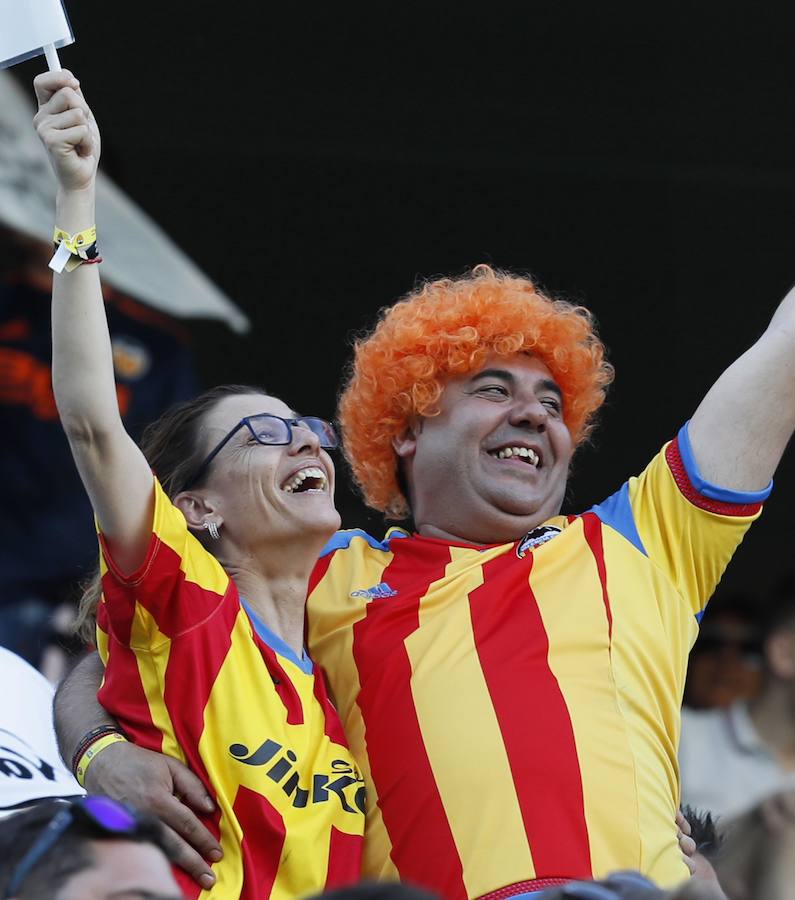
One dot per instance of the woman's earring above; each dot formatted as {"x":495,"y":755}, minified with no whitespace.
{"x":212,"y":527}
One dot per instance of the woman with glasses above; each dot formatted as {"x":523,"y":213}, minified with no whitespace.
{"x":204,"y":570}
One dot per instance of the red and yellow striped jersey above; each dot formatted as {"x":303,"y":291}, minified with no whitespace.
{"x":191,"y":672}
{"x":515,"y":708}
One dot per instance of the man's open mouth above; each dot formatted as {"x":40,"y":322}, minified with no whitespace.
{"x":310,"y":480}
{"x":525,"y":454}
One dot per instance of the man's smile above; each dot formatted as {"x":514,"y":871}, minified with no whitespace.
{"x":522,"y":453}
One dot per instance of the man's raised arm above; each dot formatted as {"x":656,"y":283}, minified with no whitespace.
{"x":741,"y":428}
{"x":149,"y":781}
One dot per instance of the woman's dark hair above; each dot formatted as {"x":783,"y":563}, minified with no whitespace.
{"x":173,"y":444}
{"x":174,"y":447}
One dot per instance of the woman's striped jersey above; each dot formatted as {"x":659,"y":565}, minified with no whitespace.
{"x":191,"y":671}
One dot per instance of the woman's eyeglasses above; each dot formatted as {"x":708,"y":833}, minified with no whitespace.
{"x":268,"y":429}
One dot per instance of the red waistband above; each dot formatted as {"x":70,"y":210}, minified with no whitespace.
{"x":523,"y":887}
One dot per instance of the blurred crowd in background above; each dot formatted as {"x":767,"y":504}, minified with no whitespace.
{"x":737,"y":751}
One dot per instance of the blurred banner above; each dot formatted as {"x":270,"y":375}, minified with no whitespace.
{"x":28,"y":26}
{"x":140,"y":259}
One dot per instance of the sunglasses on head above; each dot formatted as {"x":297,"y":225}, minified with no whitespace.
{"x":269,"y":429}
{"x":103,"y":815}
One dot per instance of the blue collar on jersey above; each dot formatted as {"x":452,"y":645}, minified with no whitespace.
{"x":276,"y":643}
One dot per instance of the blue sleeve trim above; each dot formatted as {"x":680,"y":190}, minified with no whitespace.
{"x":724,"y":495}
{"x":342,"y":540}
{"x":616,"y":512}
{"x":700,"y":615}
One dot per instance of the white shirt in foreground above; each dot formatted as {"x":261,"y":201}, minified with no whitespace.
{"x":30,"y":765}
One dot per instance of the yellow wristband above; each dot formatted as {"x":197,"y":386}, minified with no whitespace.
{"x":96,"y":747}
{"x":77,"y":241}
{"x":74,"y":249}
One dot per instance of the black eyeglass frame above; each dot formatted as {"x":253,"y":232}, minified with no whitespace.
{"x":56,"y":828}
{"x":245,"y":422}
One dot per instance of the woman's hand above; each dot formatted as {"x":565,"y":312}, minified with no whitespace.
{"x":67,"y":129}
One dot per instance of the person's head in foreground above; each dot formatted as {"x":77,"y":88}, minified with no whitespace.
{"x":249,"y":475}
{"x":465,"y":405}
{"x":377,"y":890}
{"x":632,"y":886}
{"x":87,"y":849}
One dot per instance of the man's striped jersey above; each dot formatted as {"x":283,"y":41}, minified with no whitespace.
{"x":515,"y":707}
{"x":191,"y":671}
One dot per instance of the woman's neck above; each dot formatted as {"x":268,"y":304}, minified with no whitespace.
{"x":278,"y":600}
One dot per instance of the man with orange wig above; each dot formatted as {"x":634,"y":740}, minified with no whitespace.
{"x":510,"y":678}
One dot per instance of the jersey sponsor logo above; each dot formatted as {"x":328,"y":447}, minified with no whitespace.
{"x":377,"y":592}
{"x":343,"y":782}
{"x":536,"y":538}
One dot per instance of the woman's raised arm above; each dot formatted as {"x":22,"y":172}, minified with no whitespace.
{"x":113,"y":469}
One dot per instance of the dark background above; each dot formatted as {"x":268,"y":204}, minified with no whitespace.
{"x":317,"y":160}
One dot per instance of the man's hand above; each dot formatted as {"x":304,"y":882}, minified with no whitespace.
{"x":686,"y":843}
{"x":67,"y":129}
{"x":164,"y":787}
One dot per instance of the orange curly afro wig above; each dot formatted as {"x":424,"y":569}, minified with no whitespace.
{"x":447,"y":328}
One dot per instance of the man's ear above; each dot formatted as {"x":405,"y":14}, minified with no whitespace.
{"x":198,"y":511}
{"x":404,"y":443}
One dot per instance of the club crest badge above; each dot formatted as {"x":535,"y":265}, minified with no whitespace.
{"x":536,"y":538}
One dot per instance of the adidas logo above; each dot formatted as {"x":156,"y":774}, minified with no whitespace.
{"x":379,"y":592}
